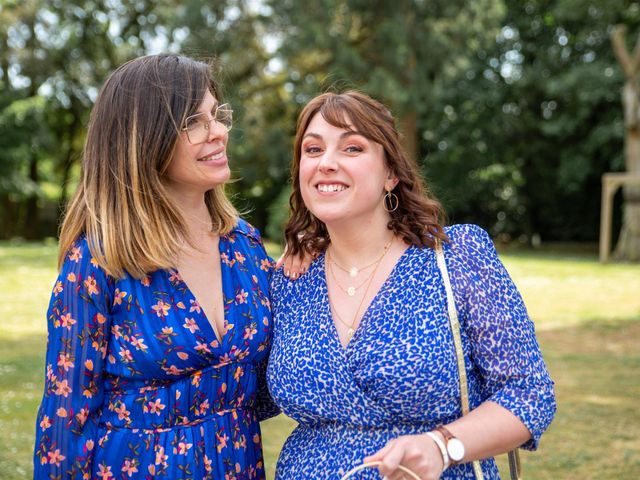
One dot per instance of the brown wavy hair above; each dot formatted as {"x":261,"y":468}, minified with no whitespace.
{"x":419,"y":218}
{"x":121,"y":204}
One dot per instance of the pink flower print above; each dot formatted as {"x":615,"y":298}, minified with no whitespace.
{"x":225,"y":259}
{"x":265,"y":264}
{"x":175,"y":277}
{"x":58,"y":288}
{"x":75,"y":254}
{"x":237,"y":375}
{"x":130,"y":467}
{"x":184,"y":447}
{"x":195,"y":378}
{"x":125,"y":355}
{"x":180,"y":305}
{"x":91,"y":285}
{"x":65,"y":362}
{"x":161,"y":308}
{"x":207,"y":464}
{"x":221,"y":440}
{"x":204,"y":407}
{"x":138,"y":343}
{"x":173,"y":370}
{"x":240,"y":258}
{"x":105,"y":472}
{"x":61,"y":412}
{"x":250,"y":331}
{"x":71,"y":277}
{"x":241,"y":297}
{"x":155,"y":407}
{"x":123,"y":413}
{"x":167,"y":331}
{"x":202,"y":347}
{"x":82,"y":416}
{"x":240,"y":443}
{"x":45,"y":423}
{"x":63,"y":388}
{"x":183,"y":355}
{"x":145,"y":281}
{"x":116,"y":331}
{"x":118,"y":296}
{"x":66,"y":321}
{"x":55,"y":457}
{"x":190,"y":324}
{"x":195,"y":306}
{"x":94,"y":262}
{"x":161,"y":458}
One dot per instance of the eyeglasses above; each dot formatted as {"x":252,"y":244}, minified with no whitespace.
{"x":197,"y":126}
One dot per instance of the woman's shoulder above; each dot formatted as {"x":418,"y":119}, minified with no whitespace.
{"x":466,"y":233}
{"x":79,"y":252}
{"x":247,"y":230}
{"x":469,"y":243}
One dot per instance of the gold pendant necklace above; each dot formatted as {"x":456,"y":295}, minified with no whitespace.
{"x":369,"y":280}
{"x":354,"y":271}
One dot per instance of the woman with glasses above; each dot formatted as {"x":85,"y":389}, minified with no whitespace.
{"x":159,"y":322}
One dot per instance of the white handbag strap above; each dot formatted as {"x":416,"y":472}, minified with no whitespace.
{"x":515,"y":468}
{"x":457,"y":341}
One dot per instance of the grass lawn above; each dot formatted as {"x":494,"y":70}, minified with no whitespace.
{"x":588,"y":322}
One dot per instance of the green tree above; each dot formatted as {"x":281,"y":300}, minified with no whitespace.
{"x":521,"y":139}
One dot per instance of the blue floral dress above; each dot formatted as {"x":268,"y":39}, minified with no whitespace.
{"x":137,"y":384}
{"x":398,"y":374}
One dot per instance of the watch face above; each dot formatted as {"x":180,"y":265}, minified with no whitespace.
{"x":455,"y":449}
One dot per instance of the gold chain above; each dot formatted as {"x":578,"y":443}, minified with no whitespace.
{"x":354,"y":271}
{"x":350,"y":326}
{"x":351,"y":290}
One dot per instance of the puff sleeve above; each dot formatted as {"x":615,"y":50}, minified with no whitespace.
{"x":502,"y":341}
{"x":78,"y":326}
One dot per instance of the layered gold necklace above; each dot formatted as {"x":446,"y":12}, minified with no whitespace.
{"x":352,"y":289}
{"x":355,"y":271}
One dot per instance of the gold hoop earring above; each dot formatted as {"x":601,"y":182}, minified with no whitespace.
{"x":390,"y":202}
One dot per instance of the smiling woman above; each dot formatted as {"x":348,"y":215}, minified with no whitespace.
{"x":159,"y":322}
{"x":368,"y":356}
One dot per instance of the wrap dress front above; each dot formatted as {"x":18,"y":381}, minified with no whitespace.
{"x":137,"y":384}
{"x":398,"y":374}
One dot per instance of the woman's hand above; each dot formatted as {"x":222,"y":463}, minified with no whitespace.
{"x":419,"y":453}
{"x":294,"y":265}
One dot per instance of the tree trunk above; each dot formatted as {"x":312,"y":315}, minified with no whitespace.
{"x":409,"y":137}
{"x":628,"y":247}
{"x":32,"y":213}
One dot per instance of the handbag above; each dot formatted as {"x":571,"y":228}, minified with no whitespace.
{"x":515,"y":468}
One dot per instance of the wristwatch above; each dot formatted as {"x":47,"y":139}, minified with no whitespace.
{"x":455,"y":447}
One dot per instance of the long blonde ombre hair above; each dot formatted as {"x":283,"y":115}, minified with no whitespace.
{"x":121,"y":204}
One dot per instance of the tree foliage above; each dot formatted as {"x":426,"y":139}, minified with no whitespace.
{"x":511,"y":107}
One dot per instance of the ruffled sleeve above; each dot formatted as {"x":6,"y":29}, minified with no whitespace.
{"x":78,"y":325}
{"x":503,"y":345}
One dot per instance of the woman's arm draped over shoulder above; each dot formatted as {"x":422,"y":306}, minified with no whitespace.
{"x":501,"y":334}
{"x":78,"y":325}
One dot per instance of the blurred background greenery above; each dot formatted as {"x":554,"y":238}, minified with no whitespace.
{"x":511,"y":107}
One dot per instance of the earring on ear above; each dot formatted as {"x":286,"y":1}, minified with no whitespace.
{"x":390,"y":201}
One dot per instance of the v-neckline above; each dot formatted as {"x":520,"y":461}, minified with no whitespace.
{"x":365,"y":315}
{"x":202,"y":318}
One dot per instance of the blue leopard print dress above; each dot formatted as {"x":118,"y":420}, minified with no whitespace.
{"x":398,"y":375}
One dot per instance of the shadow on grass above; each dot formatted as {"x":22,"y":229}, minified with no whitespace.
{"x":596,"y":433}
